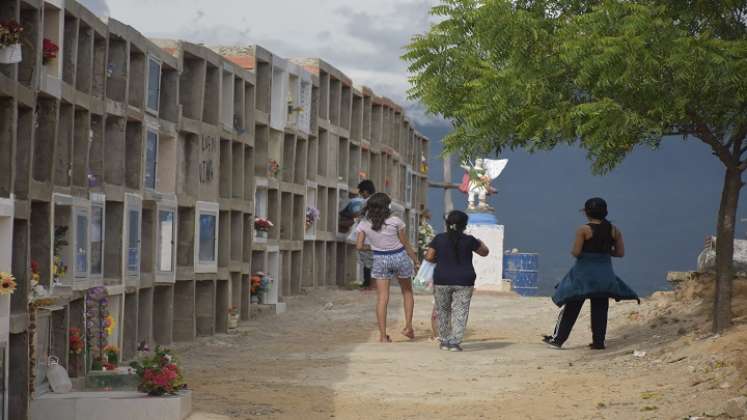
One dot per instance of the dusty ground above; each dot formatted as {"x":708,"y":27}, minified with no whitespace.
{"x":320,"y":361}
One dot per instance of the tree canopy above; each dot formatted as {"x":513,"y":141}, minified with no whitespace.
{"x":606,"y":75}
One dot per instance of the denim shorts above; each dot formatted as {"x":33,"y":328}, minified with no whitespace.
{"x":391,"y":264}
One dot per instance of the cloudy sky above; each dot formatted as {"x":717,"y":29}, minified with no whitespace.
{"x":363,"y":38}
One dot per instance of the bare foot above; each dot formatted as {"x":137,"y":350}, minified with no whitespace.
{"x":385,"y":339}
{"x":409,"y":333}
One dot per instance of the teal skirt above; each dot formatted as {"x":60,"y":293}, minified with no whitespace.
{"x":592,"y":277}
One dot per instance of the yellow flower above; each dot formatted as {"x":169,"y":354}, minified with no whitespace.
{"x":7,"y":284}
{"x":110,"y":325}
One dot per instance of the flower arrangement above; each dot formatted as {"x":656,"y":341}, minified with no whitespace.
{"x":425,"y":234}
{"x":76,"y":341}
{"x":7,"y":284}
{"x":312,"y":215}
{"x":362,"y":175}
{"x":109,"y":325}
{"x":159,"y":374}
{"x":97,"y":327}
{"x":256,"y":281}
{"x":263,"y":224}
{"x":49,"y":51}
{"x":233,"y":311}
{"x":423,"y":164}
{"x":35,"y":276}
{"x":273,"y":167}
{"x":260,"y":283}
{"x":10,"y":33}
{"x":59,"y":269}
{"x":111,"y":357}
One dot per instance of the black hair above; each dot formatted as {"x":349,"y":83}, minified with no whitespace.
{"x":368,"y":186}
{"x":377,"y":210}
{"x":596,"y":208}
{"x":456,"y":224}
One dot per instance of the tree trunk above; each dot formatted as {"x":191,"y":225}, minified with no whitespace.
{"x":448,"y":203}
{"x":725,"y":249}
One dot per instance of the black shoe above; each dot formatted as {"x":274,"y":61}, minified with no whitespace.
{"x":596,"y":346}
{"x":455,"y":347}
{"x":551,"y":342}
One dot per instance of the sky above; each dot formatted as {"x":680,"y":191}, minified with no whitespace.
{"x":664,"y":201}
{"x":364,"y":39}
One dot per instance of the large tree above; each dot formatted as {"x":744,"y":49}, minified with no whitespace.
{"x":607,"y":76}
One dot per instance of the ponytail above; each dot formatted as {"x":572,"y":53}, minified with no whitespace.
{"x":456,"y":224}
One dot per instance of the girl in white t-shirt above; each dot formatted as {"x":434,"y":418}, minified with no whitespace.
{"x":393,"y":257}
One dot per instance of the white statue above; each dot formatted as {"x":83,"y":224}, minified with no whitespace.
{"x":477,"y":179}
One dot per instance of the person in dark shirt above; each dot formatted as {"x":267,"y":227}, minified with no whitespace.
{"x":454,"y":278}
{"x":591,"y":277}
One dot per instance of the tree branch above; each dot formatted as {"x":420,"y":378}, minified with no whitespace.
{"x":705,"y":135}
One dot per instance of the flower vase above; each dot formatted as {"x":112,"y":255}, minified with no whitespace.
{"x":262,"y":234}
{"x":233,"y":321}
{"x":255,"y":299}
{"x":11,"y":54}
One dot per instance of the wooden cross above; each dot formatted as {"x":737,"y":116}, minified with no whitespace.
{"x":446,"y":184}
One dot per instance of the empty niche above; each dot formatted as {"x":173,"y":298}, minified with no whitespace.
{"x":264,"y":86}
{"x":247,"y":237}
{"x":148,"y":241}
{"x":355,"y":167}
{"x":376,"y":122}
{"x":113,"y":225}
{"x":289,"y":152}
{"x":249,"y":105}
{"x":331,"y":264}
{"x":299,"y":217}
{"x":225,"y":169}
{"x":189,"y":162}
{"x":321,"y":200}
{"x":81,"y":147}
{"x":116,"y":70}
{"x":236,"y":290}
{"x":323,"y":153}
{"x":114,"y":157}
{"x":320,"y":262}
{"x":193,"y":77}
{"x":100,"y":65}
{"x":137,"y":77}
{"x":341,"y":274}
{"x":345,"y":104}
{"x":168,"y":102}
{"x":184,"y":311}
{"x":211,"y":110}
{"x":286,"y":218}
{"x":342,"y":162}
{"x":46,"y":115}
{"x":324,"y":95}
{"x":70,"y":43}
{"x":227,"y":100}
{"x":312,"y":158}
{"x":331,"y":210}
{"x":185,"y":237}
{"x":84,"y":67}
{"x":224,"y":245}
{"x":30,"y":20}
{"x":7,"y":116}
{"x":249,"y":177}
{"x":204,"y":307}
{"x":299,"y":171}
{"x":236,"y":235}
{"x":366,"y":128}
{"x":273,"y":212}
{"x":95,"y":171}
{"x":134,"y":153}
{"x":238,"y":119}
{"x":222,"y":302}
{"x":129,"y":326}
{"x":261,"y":150}
{"x":307,"y":274}
{"x":237,"y":169}
{"x":163,"y":314}
{"x":166,"y":164}
{"x":145,"y":316}
{"x":314,"y":112}
{"x":335,"y":96}
{"x":244,"y":292}
{"x":356,"y":127}
{"x":63,"y":150}
{"x":20,"y":266}
{"x":285,"y":276}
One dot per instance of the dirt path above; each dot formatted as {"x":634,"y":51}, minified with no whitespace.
{"x":320,"y":361}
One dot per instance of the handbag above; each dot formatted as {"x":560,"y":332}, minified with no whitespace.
{"x":57,"y":376}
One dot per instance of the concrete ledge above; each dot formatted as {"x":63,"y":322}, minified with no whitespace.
{"x":110,"y":406}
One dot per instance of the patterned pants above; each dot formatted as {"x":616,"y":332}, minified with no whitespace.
{"x":452,"y":304}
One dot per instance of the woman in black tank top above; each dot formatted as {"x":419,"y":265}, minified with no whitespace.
{"x":591,"y":277}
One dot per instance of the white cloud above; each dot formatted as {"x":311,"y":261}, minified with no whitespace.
{"x":364,"y":39}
